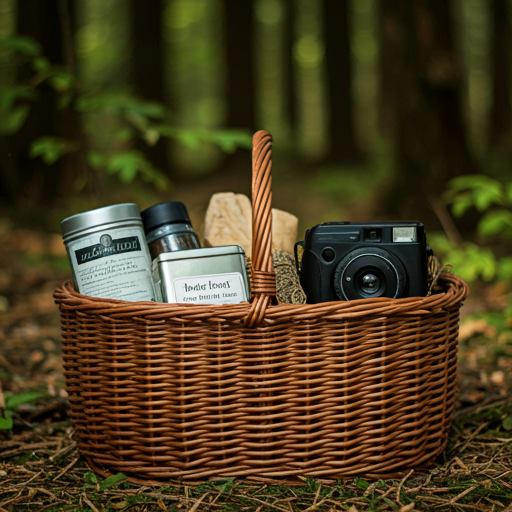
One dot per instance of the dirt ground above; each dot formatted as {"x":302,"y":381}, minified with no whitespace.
{"x":41,"y":469}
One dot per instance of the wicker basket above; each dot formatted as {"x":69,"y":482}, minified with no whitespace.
{"x":260,"y":390}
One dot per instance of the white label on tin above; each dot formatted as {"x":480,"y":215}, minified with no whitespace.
{"x":113,"y":265}
{"x":211,"y":289}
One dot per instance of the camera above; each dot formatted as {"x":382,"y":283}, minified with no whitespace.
{"x":359,"y":260}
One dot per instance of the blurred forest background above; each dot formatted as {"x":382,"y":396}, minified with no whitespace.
{"x":379,"y":109}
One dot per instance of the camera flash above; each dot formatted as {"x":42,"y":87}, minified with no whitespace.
{"x":404,"y":234}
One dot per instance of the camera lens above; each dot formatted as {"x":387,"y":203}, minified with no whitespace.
{"x":369,"y":283}
{"x":369,"y":272}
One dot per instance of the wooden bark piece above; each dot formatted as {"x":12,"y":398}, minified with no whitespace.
{"x":284,"y":230}
{"x":228,"y":222}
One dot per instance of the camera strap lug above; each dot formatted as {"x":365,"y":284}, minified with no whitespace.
{"x":297,"y":263}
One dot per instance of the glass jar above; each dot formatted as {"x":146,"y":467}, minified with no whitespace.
{"x":168,"y":228}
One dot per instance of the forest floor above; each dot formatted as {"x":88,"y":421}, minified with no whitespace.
{"x":41,"y":468}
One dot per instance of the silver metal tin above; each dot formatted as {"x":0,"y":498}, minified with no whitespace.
{"x":108,"y":253}
{"x":211,"y":275}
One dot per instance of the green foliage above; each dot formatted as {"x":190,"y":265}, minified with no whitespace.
{"x":490,"y":197}
{"x":6,"y":421}
{"x":311,"y":485}
{"x":470,"y":261}
{"x":135,"y":119}
{"x":20,"y":45}
{"x":478,"y":190}
{"x":227,"y":140}
{"x":493,"y":199}
{"x":13,"y":114}
{"x":13,"y":401}
{"x":112,"y":480}
{"x":507,"y":423}
{"x":128,"y":164}
{"x":361,"y":483}
{"x":50,"y":149}
{"x":91,"y":481}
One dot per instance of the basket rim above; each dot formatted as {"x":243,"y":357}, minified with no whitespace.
{"x":455,"y":292}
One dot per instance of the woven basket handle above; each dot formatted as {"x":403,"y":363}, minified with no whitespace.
{"x":263,"y":289}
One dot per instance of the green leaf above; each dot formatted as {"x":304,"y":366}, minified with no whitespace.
{"x":12,"y":120}
{"x":311,"y":485}
{"x":476,"y":262}
{"x":131,"y":163}
{"x":50,"y":149}
{"x":13,"y":401}
{"x":486,"y":197}
{"x":476,"y":190}
{"x":125,"y":134}
{"x":6,"y":422}
{"x":227,"y":140}
{"x":508,"y":193}
{"x":159,"y":180}
{"x":42,"y":65}
{"x":12,"y":112}
{"x":96,"y":159}
{"x":126,"y":165}
{"x":187,"y":138}
{"x":231,"y":140}
{"x":473,"y":182}
{"x":461,"y":204}
{"x":142,"y":109}
{"x":10,"y":94}
{"x":496,"y":222}
{"x":139,"y":112}
{"x":505,"y":268}
{"x":90,"y":478}
{"x":62,"y":81}
{"x":469,"y":261}
{"x":227,"y":486}
{"x":362,"y":484}
{"x":87,"y":103}
{"x":507,"y":423}
{"x":112,"y":480}
{"x":20,"y":44}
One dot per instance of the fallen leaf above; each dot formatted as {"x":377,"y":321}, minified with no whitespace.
{"x":472,"y":328}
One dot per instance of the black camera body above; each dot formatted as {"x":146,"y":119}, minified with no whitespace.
{"x":358,"y":260}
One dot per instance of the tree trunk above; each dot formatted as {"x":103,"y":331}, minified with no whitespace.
{"x":388,"y":66}
{"x":148,"y":69}
{"x":500,"y":122}
{"x":291,"y":105}
{"x":429,"y":131}
{"x":340,"y":110}
{"x":240,"y":76}
{"x":31,"y":181}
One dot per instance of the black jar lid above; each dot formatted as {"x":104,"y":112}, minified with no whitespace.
{"x":171,"y":212}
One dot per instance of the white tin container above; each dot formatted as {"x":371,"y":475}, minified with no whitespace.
{"x":211,"y":275}
{"x":108,"y":253}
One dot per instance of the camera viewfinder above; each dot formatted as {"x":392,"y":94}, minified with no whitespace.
{"x":372,"y":235}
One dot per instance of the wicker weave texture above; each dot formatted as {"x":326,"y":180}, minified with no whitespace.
{"x":330,"y":390}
